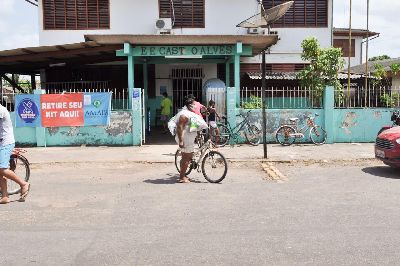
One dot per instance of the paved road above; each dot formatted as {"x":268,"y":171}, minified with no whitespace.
{"x":136,"y":214}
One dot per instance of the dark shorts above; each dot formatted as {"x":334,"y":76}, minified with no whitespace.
{"x":164,"y":118}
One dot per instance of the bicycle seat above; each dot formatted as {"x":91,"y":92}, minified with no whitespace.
{"x":295,"y":119}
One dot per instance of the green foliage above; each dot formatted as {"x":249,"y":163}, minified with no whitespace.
{"x":380,"y":57}
{"x":390,"y":100}
{"x":395,"y":68}
{"x":325,"y":63}
{"x":253,"y":103}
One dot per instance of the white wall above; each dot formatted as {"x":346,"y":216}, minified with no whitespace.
{"x":135,"y":17}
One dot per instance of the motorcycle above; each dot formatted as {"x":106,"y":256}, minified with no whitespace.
{"x":395,"y":118}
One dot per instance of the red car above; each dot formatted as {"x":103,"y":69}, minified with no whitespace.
{"x":387,"y":147}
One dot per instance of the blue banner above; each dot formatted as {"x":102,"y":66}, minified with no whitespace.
{"x":27,"y":110}
{"x":97,"y":108}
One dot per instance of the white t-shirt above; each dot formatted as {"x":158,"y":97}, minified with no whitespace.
{"x":6,"y":127}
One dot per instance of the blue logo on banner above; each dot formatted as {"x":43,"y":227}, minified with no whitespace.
{"x":97,"y":109}
{"x":28,"y":111}
{"x":136,"y":94}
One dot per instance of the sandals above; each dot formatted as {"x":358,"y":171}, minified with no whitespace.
{"x":183,"y":181}
{"x":25,"y":192}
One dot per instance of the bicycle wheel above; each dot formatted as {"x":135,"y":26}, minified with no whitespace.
{"x":253,"y":135}
{"x":214,"y":167}
{"x":285,"y":135}
{"x":222,"y":138}
{"x":318,"y":135}
{"x":178,"y":157}
{"x":20,"y":166}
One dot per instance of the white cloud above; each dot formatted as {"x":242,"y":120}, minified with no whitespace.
{"x":6,"y":6}
{"x":382,"y":19}
{"x":19,"y":40}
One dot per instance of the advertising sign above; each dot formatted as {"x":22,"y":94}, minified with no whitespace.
{"x":62,"y":110}
{"x":27,"y":110}
{"x":97,"y":107}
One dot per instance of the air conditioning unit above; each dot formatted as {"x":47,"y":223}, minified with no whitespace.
{"x":164,"y":26}
{"x":258,"y":31}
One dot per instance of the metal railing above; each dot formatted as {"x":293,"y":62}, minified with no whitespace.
{"x":280,"y":98}
{"x":75,"y":85}
{"x":373,"y":97}
{"x":119,"y":98}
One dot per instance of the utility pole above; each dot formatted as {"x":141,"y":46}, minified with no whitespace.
{"x":349,"y":58}
{"x":264,"y":115}
{"x":366,"y":50}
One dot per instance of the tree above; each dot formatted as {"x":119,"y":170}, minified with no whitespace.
{"x":325,"y":64}
{"x":378,"y":58}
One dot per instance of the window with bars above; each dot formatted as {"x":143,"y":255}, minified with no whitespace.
{"x":184,"y":13}
{"x":303,"y":13}
{"x":76,"y":14}
{"x":344,"y":45}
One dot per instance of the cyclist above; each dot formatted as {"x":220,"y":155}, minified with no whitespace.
{"x":7,"y":144}
{"x":188,"y":123}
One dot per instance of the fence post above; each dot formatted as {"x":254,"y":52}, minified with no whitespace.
{"x":135,"y":96}
{"x":40,"y":131}
{"x":329,"y":108}
{"x":231,"y":105}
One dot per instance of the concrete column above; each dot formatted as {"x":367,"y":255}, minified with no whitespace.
{"x":329,"y":108}
{"x":238,"y":52}
{"x":40,"y":131}
{"x":231,"y":105}
{"x":228,"y":74}
{"x":135,"y":96}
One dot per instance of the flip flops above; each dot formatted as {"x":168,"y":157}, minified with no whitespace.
{"x":25,"y":192}
{"x":183,"y":181}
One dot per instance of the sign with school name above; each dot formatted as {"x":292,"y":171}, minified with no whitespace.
{"x":162,"y":51}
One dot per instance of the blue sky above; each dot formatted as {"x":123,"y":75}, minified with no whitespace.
{"x":19,"y":23}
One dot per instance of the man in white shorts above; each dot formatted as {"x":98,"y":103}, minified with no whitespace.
{"x":185,"y":138}
{"x":7,"y":144}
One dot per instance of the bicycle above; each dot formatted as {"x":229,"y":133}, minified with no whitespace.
{"x":213,"y":164}
{"x":287,"y":134}
{"x":226,"y":132}
{"x":20,"y":166}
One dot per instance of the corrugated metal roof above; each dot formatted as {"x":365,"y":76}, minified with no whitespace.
{"x":101,"y":48}
{"x":292,"y":75}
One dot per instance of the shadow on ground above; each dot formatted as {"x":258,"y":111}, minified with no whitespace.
{"x":169,"y":180}
{"x":383,"y":171}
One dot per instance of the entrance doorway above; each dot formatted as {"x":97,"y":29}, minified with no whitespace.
{"x":186,"y":81}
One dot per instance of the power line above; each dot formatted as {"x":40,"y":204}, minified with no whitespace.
{"x":35,"y":3}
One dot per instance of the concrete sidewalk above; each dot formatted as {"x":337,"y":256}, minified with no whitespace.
{"x":165,"y":153}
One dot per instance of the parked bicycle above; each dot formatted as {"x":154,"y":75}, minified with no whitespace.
{"x":251,"y":132}
{"x":20,"y":166}
{"x":213,"y":164}
{"x":288,"y":133}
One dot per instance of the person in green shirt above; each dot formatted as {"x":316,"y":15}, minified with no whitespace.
{"x":166,"y":106}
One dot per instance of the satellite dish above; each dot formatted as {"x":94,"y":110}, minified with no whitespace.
{"x":266,"y":17}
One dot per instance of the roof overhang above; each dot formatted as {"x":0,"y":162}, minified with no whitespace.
{"x":258,"y":42}
{"x":101,"y":48}
{"x":344,"y":32}
{"x":292,"y":76}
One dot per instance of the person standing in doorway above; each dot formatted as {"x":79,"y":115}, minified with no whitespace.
{"x":212,"y":120}
{"x":166,"y":106}
{"x":7,"y":144}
